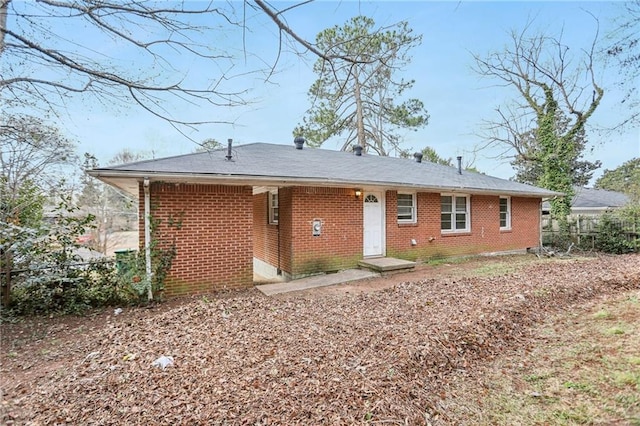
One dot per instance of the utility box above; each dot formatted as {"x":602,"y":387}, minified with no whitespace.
{"x":125,"y":259}
{"x":317,"y":228}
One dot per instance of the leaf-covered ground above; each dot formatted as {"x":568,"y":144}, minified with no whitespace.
{"x":391,"y":356}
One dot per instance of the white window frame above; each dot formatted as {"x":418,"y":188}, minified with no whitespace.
{"x":414,"y":208}
{"x":453,"y":213}
{"x":507,"y":218}
{"x":274,"y":213}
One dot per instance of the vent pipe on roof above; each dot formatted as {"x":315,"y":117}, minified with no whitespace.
{"x":418,"y":157}
{"x":299,"y":141}
{"x":459,"y":164}
{"x":229,"y":143}
{"x":357,"y":149}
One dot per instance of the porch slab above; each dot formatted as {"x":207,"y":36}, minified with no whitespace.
{"x":387,"y":264}
{"x":341,"y":277}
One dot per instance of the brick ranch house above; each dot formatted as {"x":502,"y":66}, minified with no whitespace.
{"x":293,"y":211}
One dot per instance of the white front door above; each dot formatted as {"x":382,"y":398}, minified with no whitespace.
{"x":373,"y":224}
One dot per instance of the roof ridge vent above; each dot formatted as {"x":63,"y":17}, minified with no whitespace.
{"x":357,"y":149}
{"x":299,"y":142}
{"x":418,"y":157}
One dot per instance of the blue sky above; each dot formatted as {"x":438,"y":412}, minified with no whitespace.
{"x":457,"y":99}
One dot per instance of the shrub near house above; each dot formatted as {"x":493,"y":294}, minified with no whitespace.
{"x":48,"y":273}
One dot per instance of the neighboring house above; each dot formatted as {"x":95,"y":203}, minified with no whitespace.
{"x":592,"y":202}
{"x":285,"y":210}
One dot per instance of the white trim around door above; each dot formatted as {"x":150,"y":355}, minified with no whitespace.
{"x":373,"y":224}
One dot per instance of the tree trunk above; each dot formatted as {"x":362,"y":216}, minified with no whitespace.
{"x":359,"y":116}
{"x":6,"y":275}
{"x":4,"y":5}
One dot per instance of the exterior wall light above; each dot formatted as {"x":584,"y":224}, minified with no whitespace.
{"x":358,"y":193}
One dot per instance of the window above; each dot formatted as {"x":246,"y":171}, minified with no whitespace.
{"x":273,"y":207}
{"x":407,"y":208}
{"x":505,"y":213}
{"x":454,"y":215}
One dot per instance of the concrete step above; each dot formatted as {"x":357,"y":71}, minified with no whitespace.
{"x":341,"y":277}
{"x":387,"y":264}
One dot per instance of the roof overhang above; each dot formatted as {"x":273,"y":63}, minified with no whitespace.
{"x":129,"y":181}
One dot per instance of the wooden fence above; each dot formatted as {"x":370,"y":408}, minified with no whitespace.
{"x":584,"y":229}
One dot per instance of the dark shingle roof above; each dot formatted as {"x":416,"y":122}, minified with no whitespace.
{"x":283,"y":164}
{"x":587,"y":197}
{"x":596,"y":199}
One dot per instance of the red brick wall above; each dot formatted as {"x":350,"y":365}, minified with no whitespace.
{"x":485,"y":235}
{"x":340,"y":244}
{"x":525,"y":222}
{"x":211,"y":227}
{"x":218,"y":229}
{"x":285,"y":224}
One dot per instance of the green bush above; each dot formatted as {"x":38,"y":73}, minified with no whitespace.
{"x":73,"y":289}
{"x":49,"y":276}
{"x":612,"y":237}
{"x":133,"y":276}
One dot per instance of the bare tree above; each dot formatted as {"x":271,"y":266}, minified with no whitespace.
{"x":113,"y":209}
{"x":546,"y":81}
{"x":33,"y":152}
{"x":287,"y":33}
{"x":549,"y":84}
{"x":625,"y":50}
{"x":110,"y":50}
{"x":44,"y":63}
{"x":113,"y":50}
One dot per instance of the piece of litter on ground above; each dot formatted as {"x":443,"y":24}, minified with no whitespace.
{"x":163,"y":362}
{"x":91,"y":355}
{"x":117,"y":311}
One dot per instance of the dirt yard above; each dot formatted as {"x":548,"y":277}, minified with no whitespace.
{"x":435,"y":346}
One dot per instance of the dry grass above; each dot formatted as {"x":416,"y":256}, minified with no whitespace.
{"x":582,"y":367}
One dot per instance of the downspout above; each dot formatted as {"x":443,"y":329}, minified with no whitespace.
{"x":147,"y":236}
{"x":540,"y":227}
{"x":279,"y":271}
